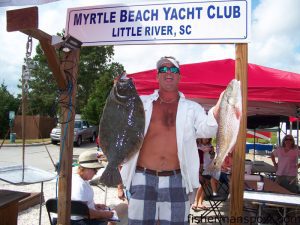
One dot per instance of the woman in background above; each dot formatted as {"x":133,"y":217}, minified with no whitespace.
{"x":287,"y":164}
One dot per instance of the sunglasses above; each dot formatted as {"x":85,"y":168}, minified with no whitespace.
{"x":165,"y":69}
{"x":288,"y":139}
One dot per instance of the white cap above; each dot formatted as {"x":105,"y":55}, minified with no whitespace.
{"x":167,"y":59}
{"x":89,"y":159}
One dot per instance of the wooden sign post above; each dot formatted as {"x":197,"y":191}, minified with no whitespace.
{"x":26,"y":21}
{"x":238,"y":167}
{"x":67,"y":103}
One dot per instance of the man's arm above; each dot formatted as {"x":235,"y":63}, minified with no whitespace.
{"x":100,"y":214}
{"x":205,"y":124}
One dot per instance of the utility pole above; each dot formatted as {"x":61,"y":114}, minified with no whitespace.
{"x":24,"y":106}
{"x":25,"y":86}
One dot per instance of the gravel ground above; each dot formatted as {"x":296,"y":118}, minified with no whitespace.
{"x":37,"y":157}
{"x":31,"y":215}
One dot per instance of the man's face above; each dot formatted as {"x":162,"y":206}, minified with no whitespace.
{"x":168,"y":78}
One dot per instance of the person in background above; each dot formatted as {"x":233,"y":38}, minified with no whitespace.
{"x":98,"y":143}
{"x":206,"y":151}
{"x":225,"y":170}
{"x":82,"y":191}
{"x":287,"y":164}
{"x":123,"y":194}
{"x":168,"y":160}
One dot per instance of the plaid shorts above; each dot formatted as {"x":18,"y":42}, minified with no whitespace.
{"x":156,"y":198}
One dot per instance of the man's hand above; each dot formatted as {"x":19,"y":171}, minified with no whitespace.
{"x":121,"y":194}
{"x":216,"y":111}
{"x":107,"y":214}
{"x":100,"y":206}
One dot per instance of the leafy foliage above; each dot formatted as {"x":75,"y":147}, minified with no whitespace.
{"x":43,"y":94}
{"x":96,"y":102}
{"x":8,"y":103}
{"x":94,"y":61}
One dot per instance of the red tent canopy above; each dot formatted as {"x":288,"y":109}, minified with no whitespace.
{"x":270,"y":91}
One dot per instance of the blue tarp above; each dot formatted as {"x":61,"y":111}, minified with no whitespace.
{"x":259,"y":147}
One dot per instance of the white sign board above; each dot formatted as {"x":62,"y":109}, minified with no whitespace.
{"x":226,"y":21}
{"x":4,"y":3}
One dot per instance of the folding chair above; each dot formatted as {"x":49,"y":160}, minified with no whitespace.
{"x":223,"y":185}
{"x":214,"y":200}
{"x":78,"y":208}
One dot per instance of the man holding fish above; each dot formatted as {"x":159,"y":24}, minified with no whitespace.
{"x":164,"y":169}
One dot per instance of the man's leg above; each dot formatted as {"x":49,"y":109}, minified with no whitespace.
{"x":142,"y":203}
{"x":173,"y":202}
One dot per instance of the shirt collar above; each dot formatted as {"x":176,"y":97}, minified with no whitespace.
{"x":155,"y":95}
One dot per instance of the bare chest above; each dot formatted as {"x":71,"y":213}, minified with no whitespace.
{"x":164,"y":114}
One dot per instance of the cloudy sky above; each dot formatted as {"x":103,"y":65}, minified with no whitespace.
{"x":275,"y":40}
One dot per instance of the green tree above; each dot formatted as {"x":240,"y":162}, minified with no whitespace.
{"x":94,"y":107}
{"x":94,"y":61}
{"x":8,"y":103}
{"x":43,"y":94}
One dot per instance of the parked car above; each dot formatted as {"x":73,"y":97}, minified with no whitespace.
{"x":82,"y":131}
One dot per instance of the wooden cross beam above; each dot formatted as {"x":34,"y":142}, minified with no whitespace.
{"x":26,"y":21}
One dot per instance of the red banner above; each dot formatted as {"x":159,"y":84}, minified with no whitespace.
{"x":259,"y":134}
{"x":293,"y":119}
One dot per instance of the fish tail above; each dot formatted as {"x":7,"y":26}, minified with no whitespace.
{"x":111,"y":176}
{"x":213,"y":170}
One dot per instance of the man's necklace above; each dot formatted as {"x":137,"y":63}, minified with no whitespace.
{"x":168,"y":102}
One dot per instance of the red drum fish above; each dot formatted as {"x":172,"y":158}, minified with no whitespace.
{"x":229,"y":123}
{"x":121,"y":128}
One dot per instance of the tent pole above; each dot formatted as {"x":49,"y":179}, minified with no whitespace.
{"x":238,"y":167}
{"x":254,"y":143}
{"x":298,"y":146}
{"x":279,"y":136}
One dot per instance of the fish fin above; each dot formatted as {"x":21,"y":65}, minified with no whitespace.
{"x":238,"y":112}
{"x":213,"y":171}
{"x":123,"y":75}
{"x":111,"y":176}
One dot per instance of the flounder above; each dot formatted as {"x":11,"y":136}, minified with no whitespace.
{"x":121,"y":128}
